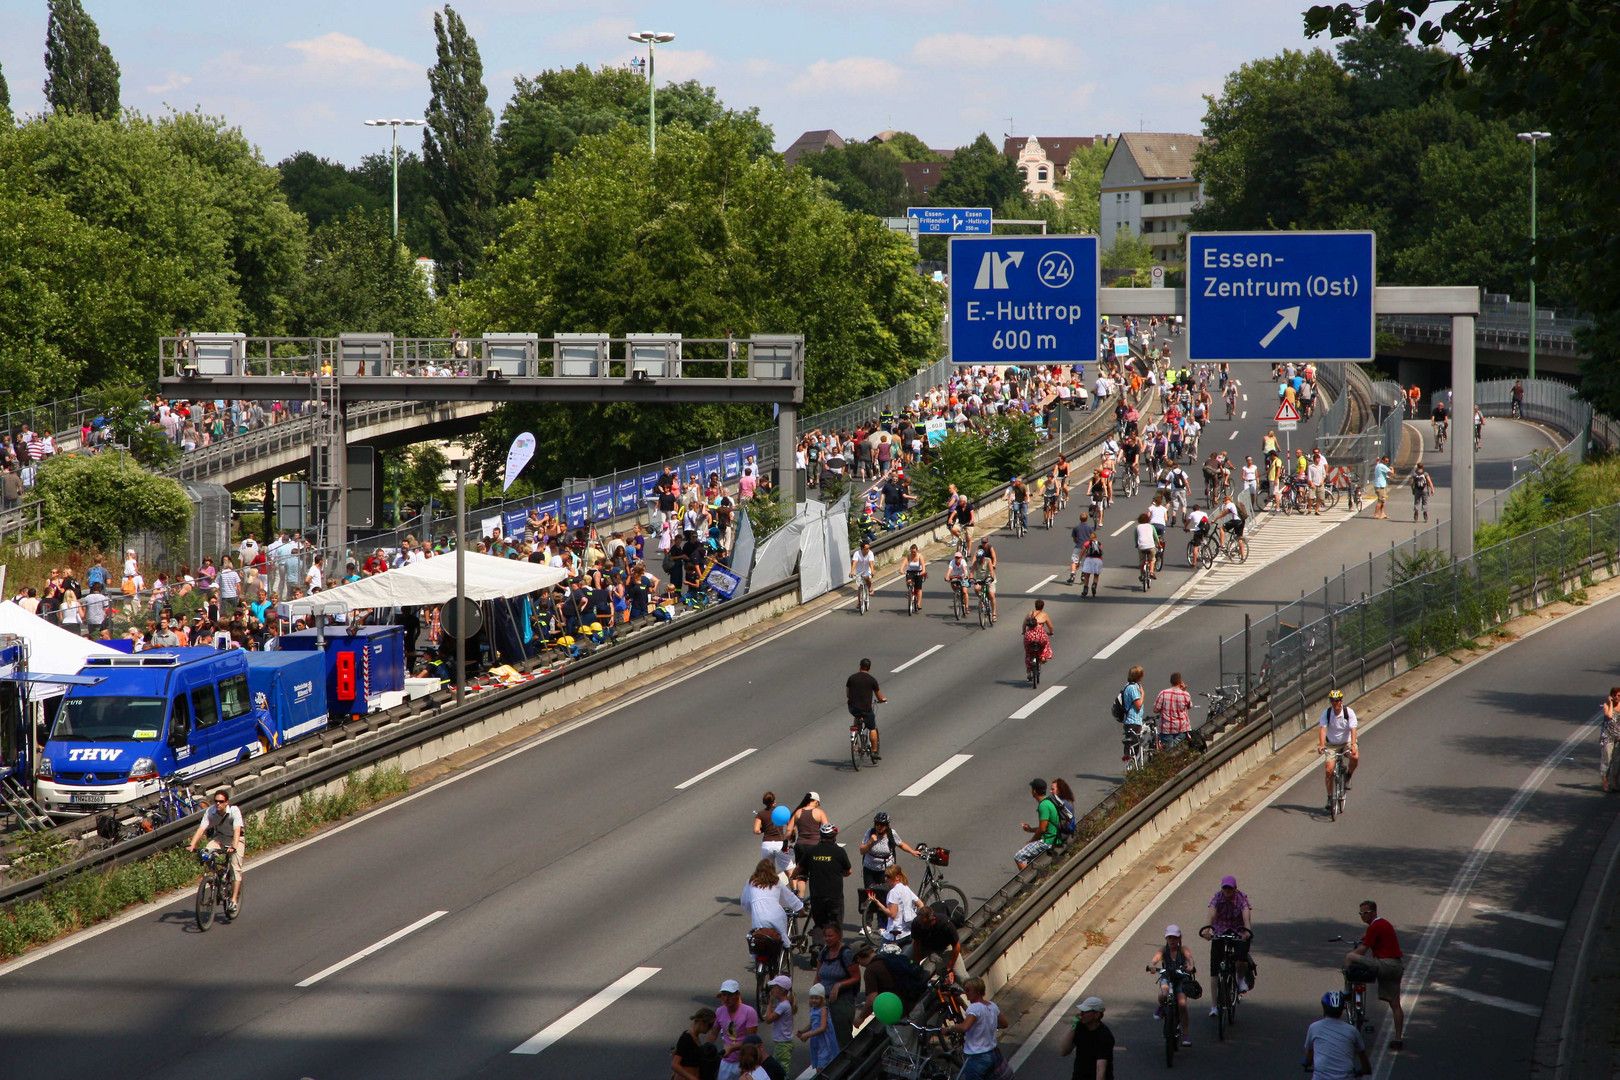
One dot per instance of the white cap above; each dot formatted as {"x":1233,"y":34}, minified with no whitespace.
{"x":1172,"y":930}
{"x":817,"y":990}
{"x":1091,"y":1004}
{"x":730,"y":986}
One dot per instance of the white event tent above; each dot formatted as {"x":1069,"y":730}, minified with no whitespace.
{"x":433,"y":581}
{"x":51,"y":650}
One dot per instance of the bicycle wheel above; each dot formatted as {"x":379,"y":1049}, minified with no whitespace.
{"x":944,"y":892}
{"x":872,"y":923}
{"x":984,"y":613}
{"x":1158,"y":559}
{"x":1035,"y":675}
{"x":207,"y":900}
{"x":1206,"y":552}
{"x":959,"y":604}
{"x":1237,"y":549}
{"x":1222,"y":990}
{"x":1192,"y":554}
{"x":1171,"y":1031}
{"x":855,"y":752}
{"x":1330,"y":497}
{"x":762,"y":988}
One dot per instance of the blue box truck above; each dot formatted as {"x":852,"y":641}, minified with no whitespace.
{"x":360,"y":666}
{"x":129,"y":722}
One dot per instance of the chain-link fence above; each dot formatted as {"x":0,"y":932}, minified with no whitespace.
{"x":1425,"y":607}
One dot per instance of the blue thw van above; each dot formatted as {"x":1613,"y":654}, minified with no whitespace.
{"x":179,"y":712}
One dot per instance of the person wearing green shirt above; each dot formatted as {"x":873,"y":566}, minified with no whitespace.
{"x":1045,"y":829}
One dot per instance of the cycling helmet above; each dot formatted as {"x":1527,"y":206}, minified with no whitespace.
{"x":1336,"y":695}
{"x":880,"y":818}
{"x":1333,"y":999}
{"x":829,"y":829}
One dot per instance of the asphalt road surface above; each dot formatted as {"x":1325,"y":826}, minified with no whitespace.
{"x":1471,"y":823}
{"x":588,"y":882}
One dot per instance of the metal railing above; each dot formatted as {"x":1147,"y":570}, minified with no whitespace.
{"x":1422,"y":612}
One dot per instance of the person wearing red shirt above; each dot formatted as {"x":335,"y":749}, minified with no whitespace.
{"x":1379,"y":949}
{"x":1174,"y":706}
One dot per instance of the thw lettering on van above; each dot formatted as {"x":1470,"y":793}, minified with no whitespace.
{"x":94,"y":753}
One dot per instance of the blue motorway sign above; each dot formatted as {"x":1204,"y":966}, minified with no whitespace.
{"x":1279,"y":296}
{"x":957,"y":220}
{"x":1024,"y":299}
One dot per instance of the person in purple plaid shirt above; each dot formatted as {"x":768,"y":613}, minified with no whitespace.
{"x":1174,"y":706}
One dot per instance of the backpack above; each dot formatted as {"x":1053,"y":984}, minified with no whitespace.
{"x":1178,"y":479}
{"x":1243,"y":513}
{"x":910,"y":981}
{"x":1065,"y":813}
{"x":1118,"y":708}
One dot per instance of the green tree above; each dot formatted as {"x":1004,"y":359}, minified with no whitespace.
{"x":980,"y":175}
{"x":375,"y":173}
{"x":550,"y":113}
{"x":100,"y":500}
{"x":130,"y":419}
{"x":458,"y":152}
{"x":360,"y":281}
{"x":421,"y":480}
{"x":5,"y":101}
{"x":125,"y":230}
{"x":863,"y":177}
{"x":704,"y":240}
{"x":1009,"y":444}
{"x":81,"y":75}
{"x":1271,"y":125}
{"x":1129,"y":252}
{"x":1551,"y":66}
{"x":907,"y":147}
{"x":960,"y":459}
{"x":324,"y":190}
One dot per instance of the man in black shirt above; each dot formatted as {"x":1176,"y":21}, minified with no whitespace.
{"x":824,"y":869}
{"x":934,"y":936}
{"x":1091,"y":1043}
{"x":862,"y":689}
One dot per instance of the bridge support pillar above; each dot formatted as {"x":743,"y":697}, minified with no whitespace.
{"x":786,"y":443}
{"x":1462,"y":436}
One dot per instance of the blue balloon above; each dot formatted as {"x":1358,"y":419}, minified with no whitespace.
{"x":780,"y":816}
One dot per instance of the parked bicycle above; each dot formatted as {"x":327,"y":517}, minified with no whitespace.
{"x":917,"y":1060}
{"x":1140,"y":740}
{"x":1222,"y":698}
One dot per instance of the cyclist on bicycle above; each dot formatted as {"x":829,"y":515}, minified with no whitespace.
{"x":1334,"y":1049}
{"x":1337,"y":729}
{"x":860,"y":564}
{"x":1017,"y":503}
{"x":1229,"y":912}
{"x":1440,"y":422}
{"x":1231,"y":398}
{"x":862,"y":690}
{"x":1230,"y":519}
{"x":1146,"y":541}
{"x":1197,"y":523}
{"x":1049,"y":498}
{"x":1131,"y":451}
{"x":1479,"y":427}
{"x":224,"y":818}
{"x":984,"y":572}
{"x":1175,"y":960}
{"x":956,"y":574}
{"x":961,"y":518}
{"x":1158,"y":516}
{"x":1037,"y":636}
{"x":1060,"y":473}
{"x":916,"y":573}
{"x":1099,"y":495}
{"x":878,"y":850}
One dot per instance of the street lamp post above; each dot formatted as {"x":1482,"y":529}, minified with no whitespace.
{"x":650,"y":38}
{"x":396,"y":124}
{"x":1533,"y":137}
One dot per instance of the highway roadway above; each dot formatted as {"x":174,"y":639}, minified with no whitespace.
{"x":577,"y":896}
{"x":1471,"y":823}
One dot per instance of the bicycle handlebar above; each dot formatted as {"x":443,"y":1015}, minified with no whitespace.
{"x":1242,"y":933}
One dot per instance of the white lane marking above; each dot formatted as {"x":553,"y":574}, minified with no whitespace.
{"x":586,"y":1009}
{"x":1487,"y":999}
{"x":1037,"y":586}
{"x":1522,"y":916}
{"x":936,"y":775}
{"x":1245,"y":397}
{"x":1503,"y":954}
{"x":1036,"y":702}
{"x":1127,"y":937}
{"x":1124,"y":639}
{"x":1122,"y":528}
{"x":369,"y":949}
{"x":925,"y":654}
{"x":1232,"y":436}
{"x":706,"y":773}
{"x":1245,"y":415}
{"x":1452,"y":903}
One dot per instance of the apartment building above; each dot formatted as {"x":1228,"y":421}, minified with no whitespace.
{"x":1044,"y":159}
{"x":1149,"y":190}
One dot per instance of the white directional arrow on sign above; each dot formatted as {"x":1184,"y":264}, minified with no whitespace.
{"x":1290,"y":318}
{"x":956,"y":222}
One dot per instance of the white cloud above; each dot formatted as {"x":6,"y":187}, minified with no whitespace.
{"x":851,"y":75}
{"x":971,"y":50}
{"x":678,"y":65}
{"x":173,"y":80}
{"x":760,"y":67}
{"x":340,"y":52}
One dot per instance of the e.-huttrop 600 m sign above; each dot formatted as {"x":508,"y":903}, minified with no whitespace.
{"x":1024,"y":299}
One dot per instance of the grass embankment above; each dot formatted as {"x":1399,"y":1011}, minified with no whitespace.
{"x":89,"y":898}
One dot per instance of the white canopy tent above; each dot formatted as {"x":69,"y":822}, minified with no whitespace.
{"x":433,"y":581}
{"x":51,"y":650}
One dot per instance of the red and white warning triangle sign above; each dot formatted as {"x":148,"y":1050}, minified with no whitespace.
{"x":1287,"y":411}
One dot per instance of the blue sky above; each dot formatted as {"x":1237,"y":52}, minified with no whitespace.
{"x":298,"y":75}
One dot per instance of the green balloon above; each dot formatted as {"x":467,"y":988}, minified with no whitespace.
{"x":887,"y":1009}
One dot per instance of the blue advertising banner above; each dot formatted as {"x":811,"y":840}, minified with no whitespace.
{"x":626,"y":496}
{"x":711,"y":464}
{"x":694,"y":472}
{"x":550,"y":508}
{"x":514,"y":523}
{"x":579,"y":507}
{"x":649,"y":484}
{"x":751,"y":451}
{"x":601,"y":503}
{"x":731,"y":465}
